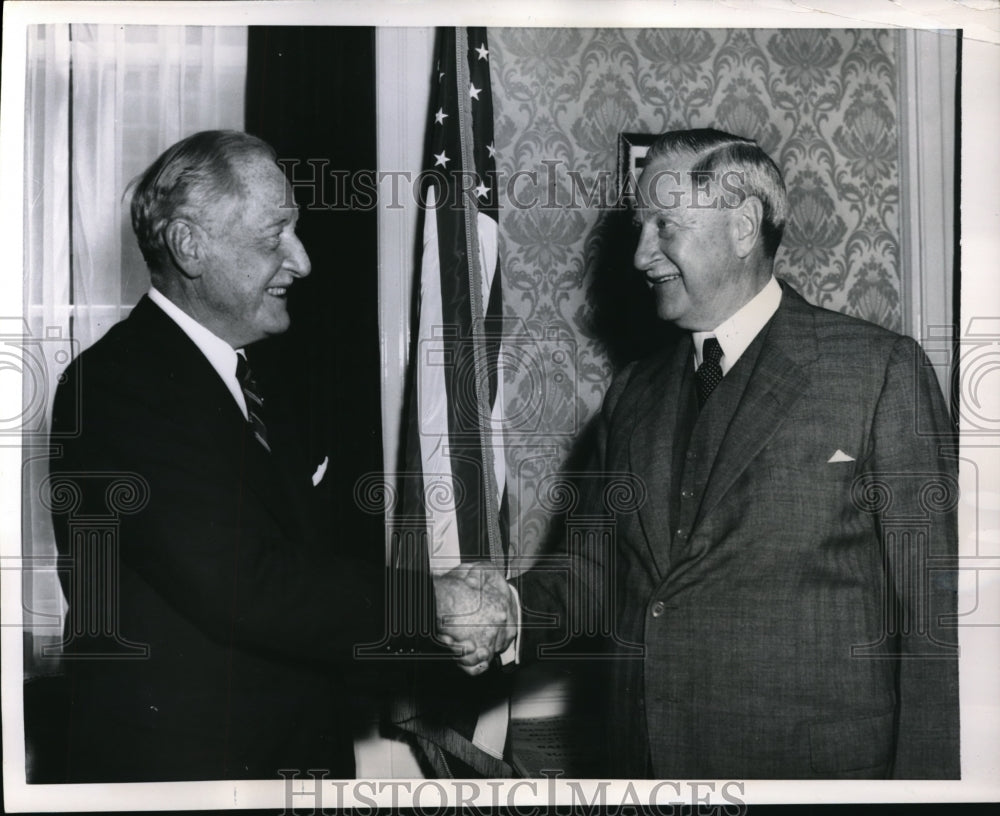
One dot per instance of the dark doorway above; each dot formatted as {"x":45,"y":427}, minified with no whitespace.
{"x":311,"y":94}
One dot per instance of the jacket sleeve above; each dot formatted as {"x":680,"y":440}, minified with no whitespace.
{"x":911,"y":487}
{"x":567,"y":583}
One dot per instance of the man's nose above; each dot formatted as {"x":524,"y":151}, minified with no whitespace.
{"x":297,"y":261}
{"x":647,"y":248}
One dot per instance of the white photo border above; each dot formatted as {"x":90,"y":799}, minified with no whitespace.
{"x":980,"y":306}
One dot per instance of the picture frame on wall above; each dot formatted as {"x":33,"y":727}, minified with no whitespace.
{"x":632,"y":150}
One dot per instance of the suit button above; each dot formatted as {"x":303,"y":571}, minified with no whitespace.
{"x":679,"y":532}
{"x":658,"y":609}
{"x":686,"y":494}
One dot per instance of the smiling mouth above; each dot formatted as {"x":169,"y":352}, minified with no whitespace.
{"x":277,"y":291}
{"x":661,"y":279}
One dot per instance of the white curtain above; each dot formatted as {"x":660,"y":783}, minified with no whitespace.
{"x":102,"y":101}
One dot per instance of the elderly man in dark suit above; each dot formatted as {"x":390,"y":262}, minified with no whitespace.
{"x":211,"y":634}
{"x":787,"y":570}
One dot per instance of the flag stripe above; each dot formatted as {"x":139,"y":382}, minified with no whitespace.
{"x":432,"y":409}
{"x":475,"y":526}
{"x":470,"y":213}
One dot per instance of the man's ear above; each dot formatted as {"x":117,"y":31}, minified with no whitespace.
{"x":748,"y":218}
{"x":183,"y":242}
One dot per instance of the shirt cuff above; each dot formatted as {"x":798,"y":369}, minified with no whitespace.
{"x":512,"y":654}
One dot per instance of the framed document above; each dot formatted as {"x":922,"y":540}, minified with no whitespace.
{"x":632,"y":150}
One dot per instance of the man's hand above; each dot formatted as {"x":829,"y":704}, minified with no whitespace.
{"x":476,"y":615}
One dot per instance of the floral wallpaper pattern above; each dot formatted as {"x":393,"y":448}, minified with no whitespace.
{"x":822,"y":103}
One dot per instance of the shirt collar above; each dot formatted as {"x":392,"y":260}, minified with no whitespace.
{"x":217,"y":351}
{"x":737,"y":333}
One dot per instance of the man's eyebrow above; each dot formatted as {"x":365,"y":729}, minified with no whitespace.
{"x":288,"y":214}
{"x":655,"y":212}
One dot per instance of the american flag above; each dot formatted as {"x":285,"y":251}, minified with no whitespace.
{"x":454,"y":412}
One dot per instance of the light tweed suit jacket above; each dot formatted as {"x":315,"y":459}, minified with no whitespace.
{"x":794,"y":595}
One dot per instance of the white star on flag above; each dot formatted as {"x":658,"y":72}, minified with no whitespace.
{"x":440,"y":116}
{"x":492,"y":151}
{"x":440,"y":159}
{"x":482,"y":51}
{"x":482,"y":190}
{"x":474,"y":91}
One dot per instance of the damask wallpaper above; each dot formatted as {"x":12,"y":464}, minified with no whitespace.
{"x":822,"y":103}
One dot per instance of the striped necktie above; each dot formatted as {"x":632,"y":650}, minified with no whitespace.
{"x":709,"y":373}
{"x":255,"y":402}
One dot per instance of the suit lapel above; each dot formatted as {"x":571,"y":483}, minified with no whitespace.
{"x":651,"y":449}
{"x":776,"y":382}
{"x":708,"y":432}
{"x":210,"y":403}
{"x":271,"y":479}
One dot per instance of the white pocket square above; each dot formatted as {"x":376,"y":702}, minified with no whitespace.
{"x":317,"y":477}
{"x":840,"y":456}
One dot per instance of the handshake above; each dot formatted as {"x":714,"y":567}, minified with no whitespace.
{"x":476,"y":614}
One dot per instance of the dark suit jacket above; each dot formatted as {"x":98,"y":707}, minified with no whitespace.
{"x":785,"y":596}
{"x":250,"y":618}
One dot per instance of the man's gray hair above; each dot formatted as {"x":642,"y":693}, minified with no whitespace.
{"x":717,"y":152}
{"x":187,"y":178}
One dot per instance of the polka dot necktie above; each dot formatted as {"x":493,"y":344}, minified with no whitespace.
{"x":255,"y":402}
{"x":709,"y":373}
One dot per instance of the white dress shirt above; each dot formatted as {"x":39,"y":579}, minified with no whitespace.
{"x":217,"y":351}
{"x":737,"y":333}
